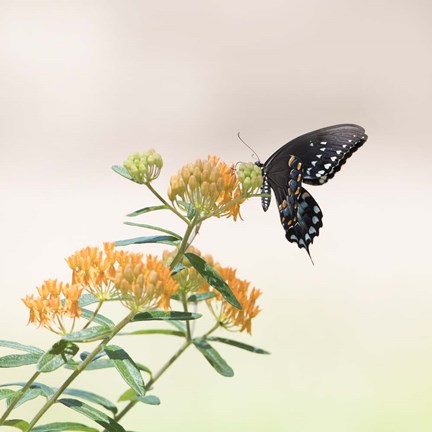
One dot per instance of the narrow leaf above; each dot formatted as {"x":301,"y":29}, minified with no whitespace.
{"x":7,"y":393}
{"x":30,"y":394}
{"x":126,"y":367}
{"x":92,"y":413}
{"x":147,"y":210}
{"x":154,"y":331}
{"x":16,"y":360}
{"x":45,"y":390}
{"x":155,"y":228}
{"x":63,"y":426}
{"x":94,"y":365}
{"x":163,"y":239}
{"x":149,"y":400}
{"x":123,"y":172}
{"x":92,"y":397}
{"x":89,"y":334}
{"x":195,"y":298}
{"x":191,"y":210}
{"x":26,"y":348}
{"x":17,"y":423}
{"x":87,"y":299}
{"x":178,"y":268}
{"x":100,"y":319}
{"x":238,"y":344}
{"x":60,"y":354}
{"x":213,"y":278}
{"x":158,"y":315}
{"x":213,"y":357}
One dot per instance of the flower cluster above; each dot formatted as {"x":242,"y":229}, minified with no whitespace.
{"x":56,"y":301}
{"x":94,"y":269}
{"x":145,"y":286}
{"x":229,"y":316}
{"x":210,"y":186}
{"x":188,"y":279}
{"x":106,"y":274}
{"x":144,"y":167}
{"x":250,"y":177}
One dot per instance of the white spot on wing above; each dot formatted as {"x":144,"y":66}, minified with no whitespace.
{"x":316,"y":209}
{"x":333,"y":158}
{"x":327,"y":166}
{"x":315,"y":220}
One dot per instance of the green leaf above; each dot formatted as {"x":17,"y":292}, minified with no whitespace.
{"x":123,"y":172}
{"x":87,"y":299}
{"x":158,"y":315}
{"x":92,"y":413}
{"x":213,"y":357}
{"x":237,"y":344}
{"x":45,"y":390}
{"x":126,"y":367}
{"x":26,"y":348}
{"x":100,"y":319}
{"x":7,"y":393}
{"x":164,"y":239}
{"x":213,"y":278}
{"x":92,"y":397}
{"x":30,"y":394}
{"x":130,"y":395}
{"x":144,"y":368}
{"x":191,"y":210}
{"x":16,"y":360}
{"x":94,"y":365}
{"x":147,"y":210}
{"x":178,"y":268}
{"x":63,"y":426}
{"x":155,"y":228}
{"x":17,"y":423}
{"x":59,"y":354}
{"x":195,"y":298}
{"x":154,"y":331}
{"x":89,"y":334}
{"x":149,"y":400}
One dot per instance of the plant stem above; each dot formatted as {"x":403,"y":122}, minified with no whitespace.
{"x":166,"y":203}
{"x":101,"y":302}
{"x":18,"y":396}
{"x":161,"y":371}
{"x":79,"y":369}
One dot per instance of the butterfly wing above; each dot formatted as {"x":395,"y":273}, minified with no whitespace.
{"x":322,"y":152}
{"x":300,"y":215}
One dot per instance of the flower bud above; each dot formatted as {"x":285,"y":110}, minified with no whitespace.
{"x":144,"y":167}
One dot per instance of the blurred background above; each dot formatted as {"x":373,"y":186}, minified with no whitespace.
{"x":85,"y":83}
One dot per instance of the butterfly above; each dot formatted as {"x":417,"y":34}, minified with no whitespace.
{"x":313,"y":159}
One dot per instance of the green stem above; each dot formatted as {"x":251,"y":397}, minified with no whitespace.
{"x":161,"y":371}
{"x":79,"y":369}
{"x":18,"y":396}
{"x":166,"y":203}
{"x":101,"y":302}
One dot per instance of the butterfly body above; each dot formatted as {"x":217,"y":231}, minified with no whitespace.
{"x":313,"y":159}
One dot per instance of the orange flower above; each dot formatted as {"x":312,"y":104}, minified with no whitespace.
{"x":56,"y":301}
{"x":145,"y":286}
{"x":210,"y":186}
{"x":229,"y":316}
{"x":94,"y":269}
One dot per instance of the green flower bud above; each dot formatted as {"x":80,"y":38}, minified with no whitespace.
{"x":144,"y":167}
{"x":250,"y":178}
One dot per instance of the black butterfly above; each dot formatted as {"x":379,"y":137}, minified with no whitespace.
{"x":313,"y":158}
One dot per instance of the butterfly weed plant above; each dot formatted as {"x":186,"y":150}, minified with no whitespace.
{"x":147,"y":288}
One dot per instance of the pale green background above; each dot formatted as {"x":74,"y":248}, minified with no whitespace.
{"x":85,"y":83}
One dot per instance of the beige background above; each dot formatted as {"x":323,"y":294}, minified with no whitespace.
{"x":85,"y":83}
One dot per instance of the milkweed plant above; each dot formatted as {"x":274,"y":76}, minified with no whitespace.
{"x":179,"y":286}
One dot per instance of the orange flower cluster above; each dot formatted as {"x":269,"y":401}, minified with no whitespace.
{"x":210,"y":186}
{"x":145,"y":286}
{"x":230,"y":317}
{"x":105,"y":274}
{"x":94,"y":269}
{"x":55,"y":302}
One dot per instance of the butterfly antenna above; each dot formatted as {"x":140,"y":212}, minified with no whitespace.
{"x":254,"y":155}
